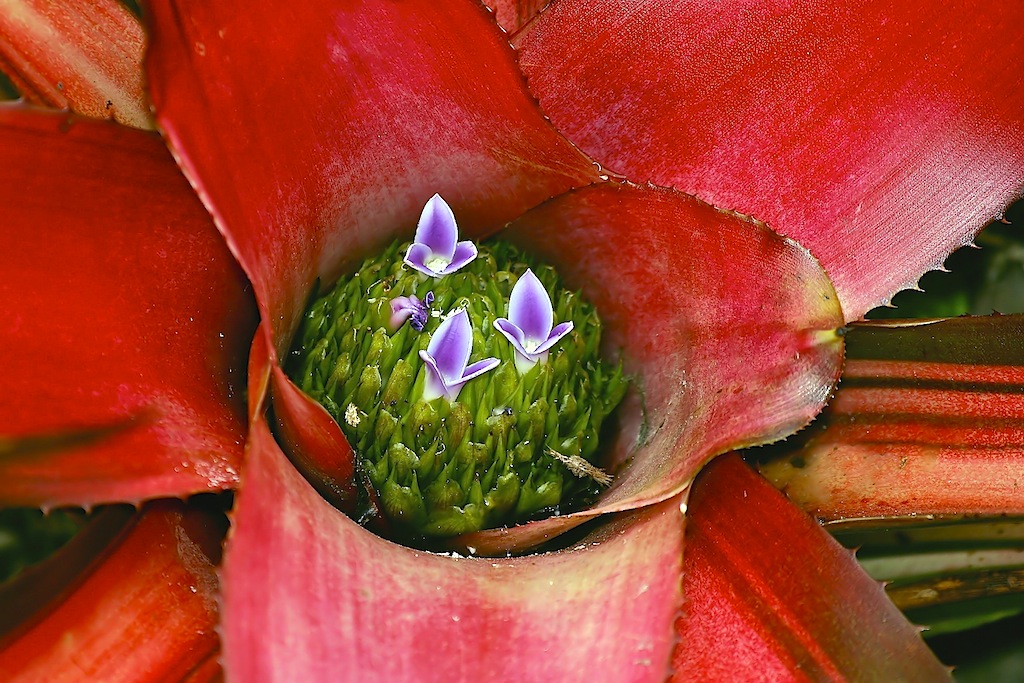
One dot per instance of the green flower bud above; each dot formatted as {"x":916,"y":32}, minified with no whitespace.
{"x":340,"y":373}
{"x":380,"y":345}
{"x":369,"y":385}
{"x":502,"y":497}
{"x":444,"y":492}
{"x":403,"y":504}
{"x":403,"y":461}
{"x":458,"y":423}
{"x":399,"y":384}
{"x":385,"y":427}
{"x":542,"y":490}
{"x":455,"y":521}
{"x":567,"y":406}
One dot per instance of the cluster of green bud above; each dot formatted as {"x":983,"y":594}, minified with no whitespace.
{"x":512,"y":447}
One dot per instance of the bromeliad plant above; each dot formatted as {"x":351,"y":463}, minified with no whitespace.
{"x":865,"y":134}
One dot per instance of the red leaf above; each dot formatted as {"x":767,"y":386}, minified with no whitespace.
{"x":727,"y":328}
{"x":85,"y":56}
{"x":317,"y":141}
{"x":928,"y":421}
{"x":315,"y":442}
{"x":145,"y":610}
{"x":770,"y":596}
{"x":344,"y":605}
{"x":125,"y":316}
{"x":880,"y":135}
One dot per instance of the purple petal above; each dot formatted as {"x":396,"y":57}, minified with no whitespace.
{"x":524,"y":360}
{"x":405,"y":307}
{"x":464,"y":253}
{"x":422,"y":312}
{"x":529,"y":308}
{"x":437,"y":229}
{"x":437,"y":385}
{"x":512,"y":333}
{"x":450,"y":346}
{"x":479,"y":368}
{"x":556,"y":334}
{"x":417,"y":258}
{"x":434,"y":386}
{"x":419,"y":319}
{"x":475,"y":370}
{"x":401,"y":308}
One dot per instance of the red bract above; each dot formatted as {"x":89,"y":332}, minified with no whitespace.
{"x":935,"y":401}
{"x":86,"y":56}
{"x":131,"y":322}
{"x":133,"y":597}
{"x":313,"y":136}
{"x":855,"y":128}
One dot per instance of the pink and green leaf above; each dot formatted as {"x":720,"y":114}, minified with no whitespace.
{"x":770,"y":596}
{"x":868,"y":132}
{"x":85,"y":56}
{"x":126,"y":320}
{"x":928,"y":422}
{"x":139,"y":604}
{"x":727,"y":329}
{"x":309,"y":595}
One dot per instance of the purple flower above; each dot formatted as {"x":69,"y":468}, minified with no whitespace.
{"x":434,"y":250}
{"x":446,"y":357}
{"x":528,"y":326}
{"x":405,"y":307}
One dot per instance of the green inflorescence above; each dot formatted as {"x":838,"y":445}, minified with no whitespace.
{"x":511,"y":448}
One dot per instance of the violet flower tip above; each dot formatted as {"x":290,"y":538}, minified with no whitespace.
{"x":529,"y":307}
{"x":435,"y":250}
